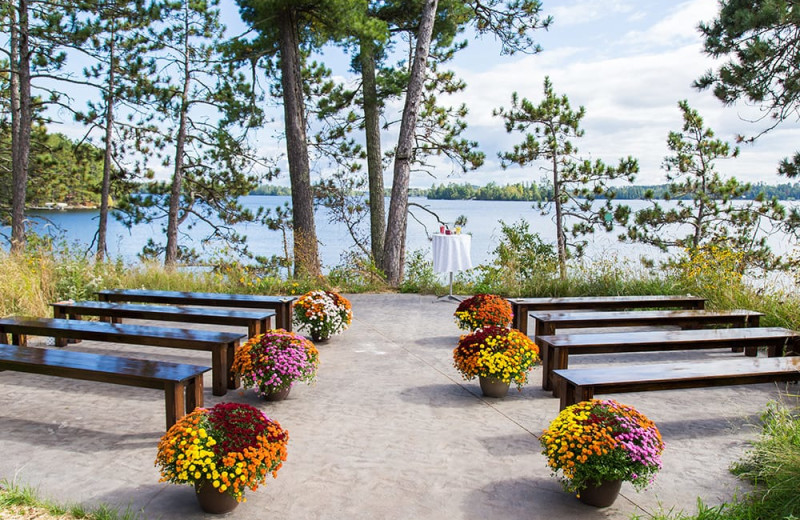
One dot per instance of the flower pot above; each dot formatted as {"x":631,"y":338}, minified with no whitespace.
{"x":493,"y":387}
{"x":212,"y":500}
{"x":600,"y":495}
{"x":270,"y":394}
{"x":318,"y":337}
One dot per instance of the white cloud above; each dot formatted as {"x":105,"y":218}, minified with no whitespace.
{"x":630,"y":95}
{"x":677,"y":28}
{"x":585,"y":11}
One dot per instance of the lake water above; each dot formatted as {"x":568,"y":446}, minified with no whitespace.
{"x":482,"y":223}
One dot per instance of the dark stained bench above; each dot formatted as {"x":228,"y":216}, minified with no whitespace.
{"x":222,"y":345}
{"x":580,"y":384}
{"x":182,"y":384}
{"x":555,"y":349}
{"x":256,"y":321}
{"x":282,"y":305}
{"x":548,"y":322}
{"x":522,"y":306}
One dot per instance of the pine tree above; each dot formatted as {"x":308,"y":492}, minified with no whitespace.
{"x":576,"y":182}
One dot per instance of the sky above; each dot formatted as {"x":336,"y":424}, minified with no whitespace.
{"x":628,"y":63}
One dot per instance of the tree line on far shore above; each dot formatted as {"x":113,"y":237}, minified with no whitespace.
{"x":543,"y":191}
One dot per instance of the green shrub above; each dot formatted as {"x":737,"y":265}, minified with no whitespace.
{"x":419,"y":275}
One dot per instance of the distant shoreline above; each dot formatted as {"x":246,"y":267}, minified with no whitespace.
{"x":61,"y":206}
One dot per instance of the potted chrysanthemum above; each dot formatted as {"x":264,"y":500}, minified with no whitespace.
{"x":222,"y":451}
{"x":273,"y":361}
{"x":594,"y":446}
{"x":498,"y":357}
{"x":323,"y":313}
{"x":483,"y":310}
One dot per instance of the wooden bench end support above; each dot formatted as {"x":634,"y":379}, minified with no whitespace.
{"x":182,"y":398}
{"x":570,"y":393}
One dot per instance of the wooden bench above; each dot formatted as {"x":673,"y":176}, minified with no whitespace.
{"x":546,"y":323}
{"x":182,"y":384}
{"x":555,"y":349}
{"x":580,"y":384}
{"x":257,"y":322}
{"x":522,"y":306}
{"x":282,"y":305}
{"x":222,"y":345}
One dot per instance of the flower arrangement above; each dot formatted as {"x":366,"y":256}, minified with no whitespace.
{"x":232,"y":446}
{"x":597,"y":441}
{"x":324,"y":313}
{"x":504,"y":354}
{"x":272,"y":361}
{"x":483,"y":310}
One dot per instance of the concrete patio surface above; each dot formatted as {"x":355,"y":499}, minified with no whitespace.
{"x":389,"y":431}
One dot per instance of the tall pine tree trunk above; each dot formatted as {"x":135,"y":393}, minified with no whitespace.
{"x":173,"y":217}
{"x":395,"y":245}
{"x":306,"y":253}
{"x":372,"y":129}
{"x":21,"y":117}
{"x":102,"y":226}
{"x":561,"y":237}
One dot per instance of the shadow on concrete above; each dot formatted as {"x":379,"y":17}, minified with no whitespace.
{"x":449,"y":341}
{"x":526,"y":498}
{"x":445,"y":395}
{"x":72,"y":438}
{"x":699,"y":427}
{"x":58,"y":385}
{"x":517,"y":444}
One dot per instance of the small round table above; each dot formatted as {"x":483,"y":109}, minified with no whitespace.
{"x":451,"y":253}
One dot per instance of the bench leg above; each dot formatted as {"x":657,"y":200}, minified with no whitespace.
{"x":60,"y":314}
{"x":174,"y":401}
{"x":572,"y":394}
{"x":547,"y":366}
{"x":19,"y":339}
{"x":558,"y":360}
{"x":283,"y":316}
{"x":256,"y":327}
{"x":220,"y":370}
{"x":194,"y":393}
{"x":234,"y":380}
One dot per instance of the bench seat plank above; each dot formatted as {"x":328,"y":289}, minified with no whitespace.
{"x":222,"y":345}
{"x":257,"y":322}
{"x":580,"y":384}
{"x":282,"y":305}
{"x":555,"y":349}
{"x":546,"y":323}
{"x":182,"y":384}
{"x":522,"y":306}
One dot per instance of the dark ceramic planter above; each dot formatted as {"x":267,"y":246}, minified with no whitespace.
{"x":602,"y":495}
{"x":213,"y":501}
{"x":272,"y":395}
{"x":492,"y":387}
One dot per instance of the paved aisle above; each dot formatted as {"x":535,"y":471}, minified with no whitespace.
{"x":389,"y":431}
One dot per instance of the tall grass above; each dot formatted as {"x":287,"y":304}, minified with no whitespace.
{"x":28,"y":282}
{"x":23,"y":502}
{"x":772,"y":466}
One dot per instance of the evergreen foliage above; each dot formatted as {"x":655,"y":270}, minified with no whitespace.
{"x":759,"y":44}
{"x":707,"y":206}
{"x":548,"y":129}
{"x":210,"y":157}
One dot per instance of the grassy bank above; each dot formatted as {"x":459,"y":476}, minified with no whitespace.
{"x":772,"y":465}
{"x":22,"y":503}
{"x":29,"y":282}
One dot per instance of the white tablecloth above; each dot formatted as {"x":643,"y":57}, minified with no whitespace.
{"x":451,"y":253}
